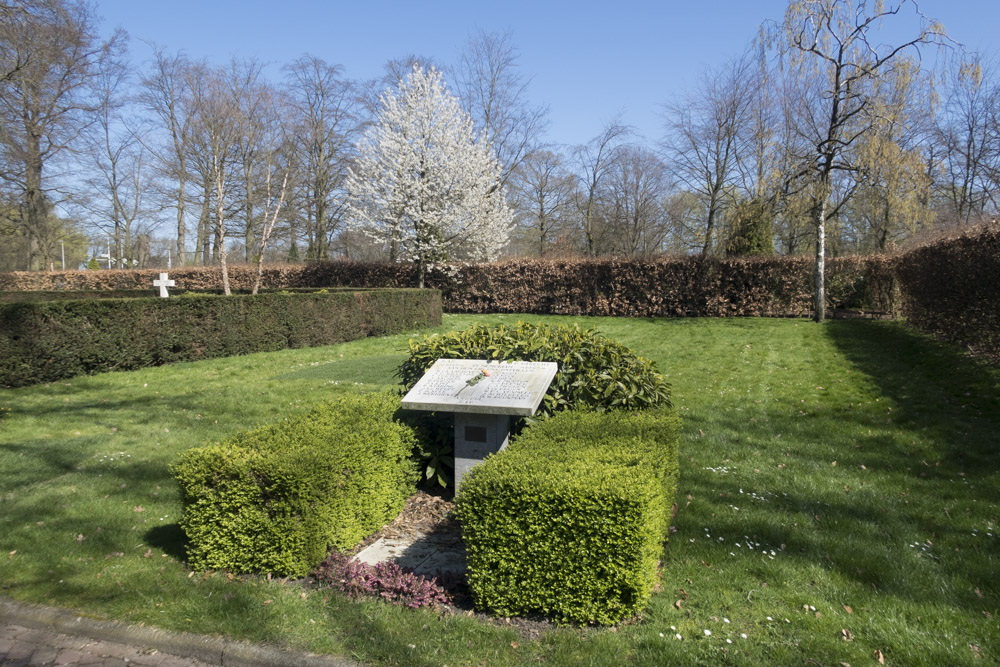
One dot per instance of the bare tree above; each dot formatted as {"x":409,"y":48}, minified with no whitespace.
{"x":831,"y":46}
{"x":494,"y":94}
{"x":395,"y":72}
{"x":968,"y":137}
{"x":116,"y":168}
{"x":637,"y":192}
{"x":49,"y":52}
{"x":593,"y":161}
{"x":703,"y":139}
{"x":256,"y":118}
{"x":326,"y":118}
{"x":215,"y":136}
{"x":543,"y":199}
{"x":12,"y":60}
{"x":271,"y":205}
{"x":166,"y":92}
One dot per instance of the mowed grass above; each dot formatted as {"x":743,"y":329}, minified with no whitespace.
{"x":839,"y":496}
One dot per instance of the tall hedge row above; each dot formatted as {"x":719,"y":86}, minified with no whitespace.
{"x":47,"y":341}
{"x":664,"y":287}
{"x":949,"y":287}
{"x":952,"y":289}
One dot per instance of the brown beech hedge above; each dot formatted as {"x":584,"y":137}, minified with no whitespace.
{"x":950,"y":288}
{"x":48,"y":341}
{"x":688,"y":286}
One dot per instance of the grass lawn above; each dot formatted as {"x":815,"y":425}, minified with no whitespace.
{"x":839,"y":496}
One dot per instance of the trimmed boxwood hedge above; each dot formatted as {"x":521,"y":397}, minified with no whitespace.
{"x":48,"y":341}
{"x":73,"y":295}
{"x":276,"y":498}
{"x":570,"y":520}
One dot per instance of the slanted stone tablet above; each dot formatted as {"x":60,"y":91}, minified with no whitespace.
{"x":479,"y":386}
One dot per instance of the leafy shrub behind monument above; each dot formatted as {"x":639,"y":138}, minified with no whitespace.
{"x":595,"y":372}
{"x":276,"y":498}
{"x":570,"y":520}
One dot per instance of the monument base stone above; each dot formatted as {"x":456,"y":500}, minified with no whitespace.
{"x":476,"y":437}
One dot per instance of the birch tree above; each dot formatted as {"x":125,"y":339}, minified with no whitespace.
{"x":835,"y":49}
{"x":216,"y":140}
{"x":424,"y":184}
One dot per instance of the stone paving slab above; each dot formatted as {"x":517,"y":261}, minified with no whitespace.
{"x":36,"y":635}
{"x":423,"y":553}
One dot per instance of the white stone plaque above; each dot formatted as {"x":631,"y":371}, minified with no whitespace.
{"x":483,"y":387}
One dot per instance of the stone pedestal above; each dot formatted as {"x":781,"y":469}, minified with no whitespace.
{"x":483,"y":394}
{"x":477,"y":436}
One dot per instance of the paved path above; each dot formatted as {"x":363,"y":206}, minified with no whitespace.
{"x":36,"y":635}
{"x":29,"y":646}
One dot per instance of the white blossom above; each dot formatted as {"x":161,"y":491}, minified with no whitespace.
{"x":424,"y":185}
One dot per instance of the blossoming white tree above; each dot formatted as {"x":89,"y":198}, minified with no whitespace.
{"x":424,"y":185}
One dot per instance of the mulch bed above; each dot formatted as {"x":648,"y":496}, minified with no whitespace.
{"x":423,"y":513}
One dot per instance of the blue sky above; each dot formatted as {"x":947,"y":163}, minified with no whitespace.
{"x":588,"y":60}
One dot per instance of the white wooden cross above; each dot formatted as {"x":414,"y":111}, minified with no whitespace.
{"x":163,"y":283}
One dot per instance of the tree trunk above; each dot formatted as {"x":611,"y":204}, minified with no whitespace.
{"x":35,"y":217}
{"x":819,"y":276}
{"x":249,"y":237}
{"x":180,"y":221}
{"x":205,"y":224}
{"x":321,"y":249}
{"x":588,"y":228}
{"x":220,"y":221}
{"x":709,"y":231}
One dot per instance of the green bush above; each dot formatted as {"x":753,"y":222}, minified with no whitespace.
{"x":276,"y":498}
{"x":595,"y":373}
{"x":570,"y":520}
{"x":47,"y":341}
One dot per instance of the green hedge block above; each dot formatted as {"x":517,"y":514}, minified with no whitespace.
{"x":570,"y":520}
{"x":276,"y":498}
{"x":48,"y":341}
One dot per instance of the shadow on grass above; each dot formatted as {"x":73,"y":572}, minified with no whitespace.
{"x":934,"y":387}
{"x":853,"y":534}
{"x":169,"y":538}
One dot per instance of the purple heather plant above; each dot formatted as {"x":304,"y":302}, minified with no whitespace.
{"x":388,"y":581}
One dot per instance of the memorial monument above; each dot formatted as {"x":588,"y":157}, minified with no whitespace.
{"x":484,"y":395}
